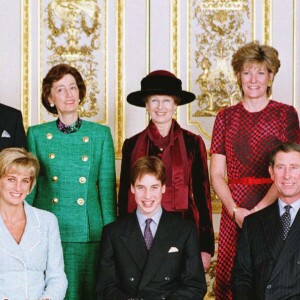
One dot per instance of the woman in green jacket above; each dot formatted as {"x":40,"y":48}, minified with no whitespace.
{"x":77,"y":177}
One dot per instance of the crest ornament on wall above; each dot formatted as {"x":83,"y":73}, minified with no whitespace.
{"x":73,"y":36}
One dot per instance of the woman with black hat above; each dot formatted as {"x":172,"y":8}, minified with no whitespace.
{"x":182,"y":152}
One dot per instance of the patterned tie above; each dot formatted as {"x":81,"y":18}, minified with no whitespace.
{"x":148,"y":237}
{"x":286,"y":221}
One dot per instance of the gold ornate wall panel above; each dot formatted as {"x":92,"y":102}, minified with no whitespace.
{"x":217,"y":29}
{"x":74,"y":32}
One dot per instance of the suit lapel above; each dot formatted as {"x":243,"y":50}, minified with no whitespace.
{"x":7,"y":242}
{"x":164,"y":237}
{"x":272,"y":230}
{"x":290,"y":246}
{"x":31,"y":237}
{"x":134,"y":242}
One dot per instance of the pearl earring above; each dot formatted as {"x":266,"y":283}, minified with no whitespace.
{"x":52,"y":104}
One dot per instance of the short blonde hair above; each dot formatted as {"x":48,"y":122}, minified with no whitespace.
{"x":254,"y":53}
{"x":17,"y":159}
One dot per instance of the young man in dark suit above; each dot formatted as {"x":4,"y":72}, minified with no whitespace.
{"x":267,"y":264}
{"x":12,"y":133}
{"x":160,"y":262}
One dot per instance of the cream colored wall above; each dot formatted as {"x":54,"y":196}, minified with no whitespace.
{"x":136,"y":37}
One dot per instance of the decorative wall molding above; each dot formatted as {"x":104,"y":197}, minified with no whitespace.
{"x":25,"y":64}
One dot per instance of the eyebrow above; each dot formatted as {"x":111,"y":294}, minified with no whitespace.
{"x":282,"y":164}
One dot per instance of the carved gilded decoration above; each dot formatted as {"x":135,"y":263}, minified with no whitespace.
{"x":211,"y":274}
{"x":175,"y":36}
{"x":267,"y":22}
{"x":222,"y":33}
{"x":120,"y":80}
{"x":25,"y":88}
{"x":216,"y":202}
{"x":74,"y":32}
{"x":218,"y":28}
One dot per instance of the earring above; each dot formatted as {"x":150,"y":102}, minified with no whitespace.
{"x":52,"y":104}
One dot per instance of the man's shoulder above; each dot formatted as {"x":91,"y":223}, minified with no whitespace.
{"x":8,"y":109}
{"x":263,"y":213}
{"x":177,"y":221}
{"x":121,"y":223}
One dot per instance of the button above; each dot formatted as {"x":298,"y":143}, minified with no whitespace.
{"x":80,"y":201}
{"x":51,"y":155}
{"x":298,"y":262}
{"x":85,"y":139}
{"x":49,"y":136}
{"x":269,"y":286}
{"x":167,"y":278}
{"x":54,"y":200}
{"x":54,"y":178}
{"x":84,"y":158}
{"x":131,"y":279}
{"x":82,"y":179}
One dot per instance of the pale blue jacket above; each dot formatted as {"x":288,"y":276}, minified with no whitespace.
{"x":34,"y":268}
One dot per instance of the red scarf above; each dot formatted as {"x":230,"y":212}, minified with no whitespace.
{"x":174,"y":157}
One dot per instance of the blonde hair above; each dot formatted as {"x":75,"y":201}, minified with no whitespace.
{"x":17,"y":159}
{"x":254,"y":53}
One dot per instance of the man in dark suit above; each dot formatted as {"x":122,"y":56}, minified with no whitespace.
{"x":267,"y":264}
{"x":171,"y":268}
{"x":12,"y":133}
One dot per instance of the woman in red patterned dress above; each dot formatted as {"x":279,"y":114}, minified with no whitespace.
{"x":243,"y":135}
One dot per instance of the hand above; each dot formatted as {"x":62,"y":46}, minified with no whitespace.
{"x":240,"y":215}
{"x":206,"y":257}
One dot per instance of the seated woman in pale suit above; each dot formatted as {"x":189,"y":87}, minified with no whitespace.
{"x":31,"y":258}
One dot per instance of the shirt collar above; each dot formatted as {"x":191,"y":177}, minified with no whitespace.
{"x":142,"y":218}
{"x":295,"y":205}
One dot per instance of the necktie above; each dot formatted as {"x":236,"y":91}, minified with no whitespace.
{"x":286,"y":221}
{"x":148,"y":237}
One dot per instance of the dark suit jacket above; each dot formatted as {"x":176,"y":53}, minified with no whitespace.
{"x":127,"y":270}
{"x":265,"y":266}
{"x":12,"y":133}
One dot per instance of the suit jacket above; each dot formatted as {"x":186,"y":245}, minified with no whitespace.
{"x":199,"y":200}
{"x":12,"y":133}
{"x":34,"y":268}
{"x":266,"y":267}
{"x":77,"y":178}
{"x":128,"y":270}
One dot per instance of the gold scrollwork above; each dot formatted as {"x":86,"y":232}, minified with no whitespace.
{"x":221,"y":23}
{"x":216,"y":202}
{"x":74,"y":31}
{"x":210,"y":278}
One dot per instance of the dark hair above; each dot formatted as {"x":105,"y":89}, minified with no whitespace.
{"x":253,"y":52}
{"x":151,"y":165}
{"x":55,"y":74}
{"x":283,"y":147}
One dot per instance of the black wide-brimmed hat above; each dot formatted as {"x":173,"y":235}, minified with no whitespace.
{"x":160,"y":82}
